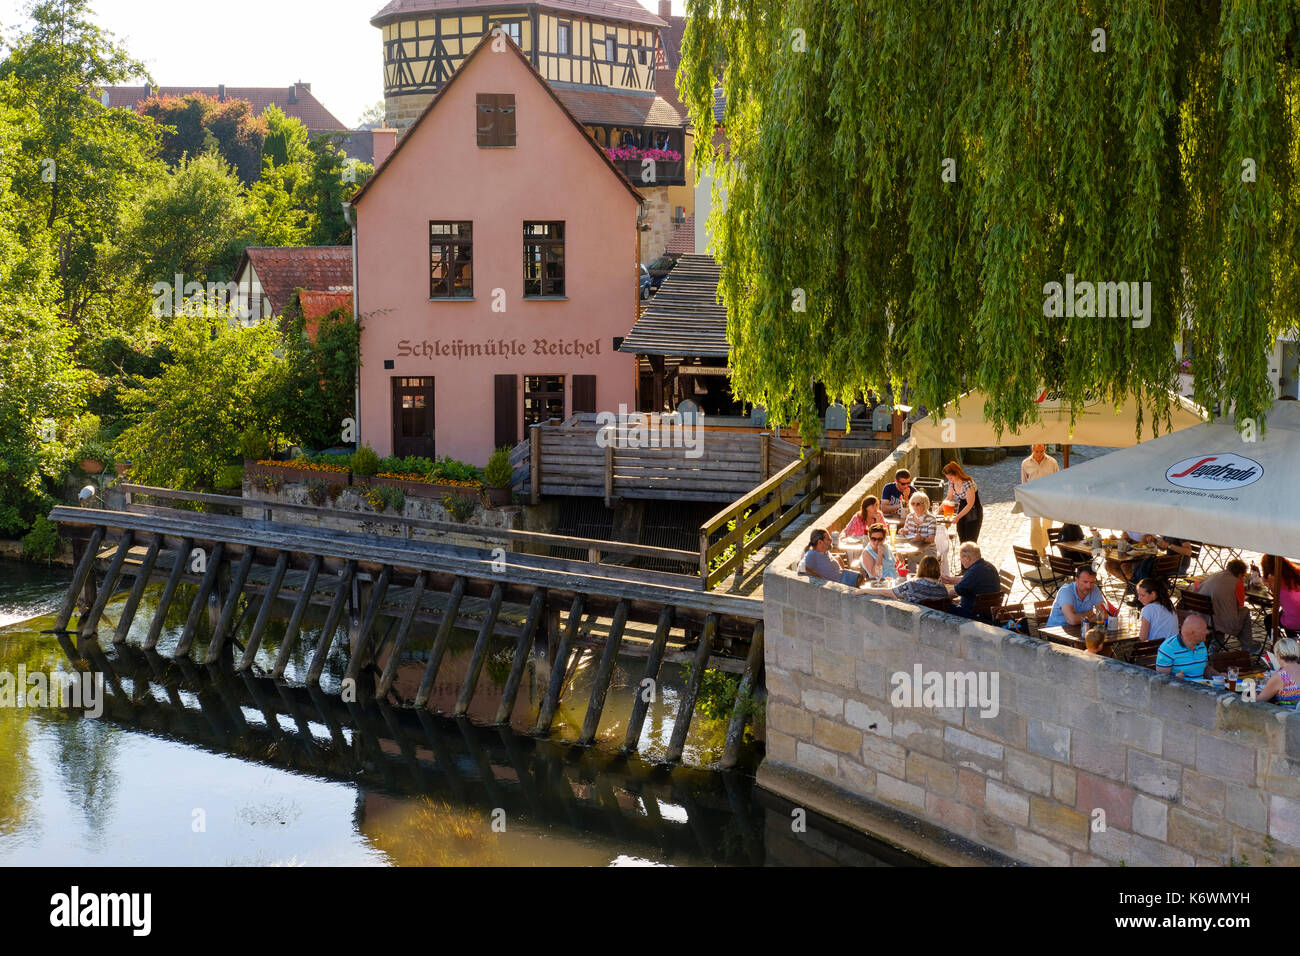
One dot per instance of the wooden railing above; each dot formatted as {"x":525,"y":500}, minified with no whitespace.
{"x":595,"y":548}
{"x":777,"y":501}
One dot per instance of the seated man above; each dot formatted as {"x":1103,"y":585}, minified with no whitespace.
{"x":926,"y":586}
{"x":1184,"y":654}
{"x":1077,"y":602}
{"x":1227,"y":591}
{"x":895,"y":495}
{"x":817,"y":560}
{"x":980,"y":577}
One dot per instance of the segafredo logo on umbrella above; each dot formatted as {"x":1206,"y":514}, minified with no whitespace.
{"x":1051,"y":399}
{"x":1215,"y":472}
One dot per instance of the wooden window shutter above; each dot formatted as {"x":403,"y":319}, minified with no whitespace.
{"x":584,"y":393}
{"x":507,"y":411}
{"x":496,"y":119}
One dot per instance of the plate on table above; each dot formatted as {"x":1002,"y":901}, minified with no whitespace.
{"x":874,"y":585}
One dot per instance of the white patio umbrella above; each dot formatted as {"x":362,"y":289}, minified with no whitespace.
{"x":1097,"y":423}
{"x":1203,"y":483}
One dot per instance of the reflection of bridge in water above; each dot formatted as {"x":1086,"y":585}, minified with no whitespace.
{"x":682,"y":812}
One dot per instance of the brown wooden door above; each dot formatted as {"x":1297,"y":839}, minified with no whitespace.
{"x":413,"y":417}
{"x":506,"y":390}
{"x":584,"y":393}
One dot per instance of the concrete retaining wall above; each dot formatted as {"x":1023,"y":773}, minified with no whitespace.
{"x":1083,"y":761}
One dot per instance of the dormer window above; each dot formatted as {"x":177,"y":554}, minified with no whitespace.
{"x":496,"y":120}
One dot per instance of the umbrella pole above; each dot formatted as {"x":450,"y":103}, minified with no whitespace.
{"x":1067,"y":456}
{"x":1276,"y":612}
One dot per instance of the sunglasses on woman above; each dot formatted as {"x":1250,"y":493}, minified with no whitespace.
{"x":877,"y":540}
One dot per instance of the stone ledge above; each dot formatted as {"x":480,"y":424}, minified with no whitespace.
{"x":900,"y":830}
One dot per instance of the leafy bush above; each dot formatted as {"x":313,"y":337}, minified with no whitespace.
{"x":498,"y":472}
{"x":316,"y":492}
{"x":460,"y":508}
{"x":42,"y":543}
{"x":229,"y":477}
{"x":254,"y":445}
{"x":95,"y":450}
{"x":386,"y":497}
{"x":364,"y":462}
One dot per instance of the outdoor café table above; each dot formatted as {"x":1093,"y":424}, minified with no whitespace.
{"x":1085,"y":552}
{"x":911,"y":553}
{"x":1121,"y":641}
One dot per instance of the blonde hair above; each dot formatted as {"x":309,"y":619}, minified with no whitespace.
{"x":920,"y":496}
{"x":1288,"y":648}
{"x":1094,"y":637}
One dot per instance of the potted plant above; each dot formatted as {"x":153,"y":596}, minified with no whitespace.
{"x":497,"y":477}
{"x":94,"y":454}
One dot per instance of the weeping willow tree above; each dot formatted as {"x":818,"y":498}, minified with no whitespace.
{"x":903,"y":178}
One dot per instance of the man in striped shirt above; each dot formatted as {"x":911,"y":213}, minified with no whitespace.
{"x":1184,"y":654}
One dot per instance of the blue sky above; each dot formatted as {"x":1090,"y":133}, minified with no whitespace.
{"x":327,"y":43}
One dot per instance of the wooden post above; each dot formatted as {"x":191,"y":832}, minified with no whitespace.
{"x":765,"y":456}
{"x":377,"y":595}
{"x":640,"y":704}
{"x":295,"y":619}
{"x":137,"y":590}
{"x":609,"y":476}
{"x":228,"y":611}
{"x":341,"y":597}
{"x":551,"y":702}
{"x":78,"y":580}
{"x":200,"y":600}
{"x":1067,"y":456}
{"x":169,"y":592}
{"x":600,"y":685}
{"x":535,"y":464}
{"x":686,"y":710}
{"x":536,"y":608}
{"x":704,"y":559}
{"x":264,"y":612}
{"x":440,"y":643}
{"x":736,"y":729}
{"x":480,"y":650}
{"x":403,"y":631}
{"x":90,"y":623}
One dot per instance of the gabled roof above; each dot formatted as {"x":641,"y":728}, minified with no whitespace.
{"x":483,"y":44}
{"x":314,"y":306}
{"x":685,"y":317}
{"x":628,"y":11}
{"x":683,"y":239}
{"x":283,"y":269}
{"x":308,"y":109}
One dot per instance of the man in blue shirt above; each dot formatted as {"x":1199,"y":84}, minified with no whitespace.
{"x":1077,"y":603}
{"x":894,"y":497}
{"x":1184,"y":655}
{"x":980,"y":577}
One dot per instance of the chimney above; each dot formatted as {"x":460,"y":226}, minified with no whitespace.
{"x":665,"y":9}
{"x":221,"y":93}
{"x":293,"y":93}
{"x":383,"y":142}
{"x":148,"y":91}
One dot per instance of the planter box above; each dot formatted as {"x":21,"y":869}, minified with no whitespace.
{"x":289,"y":473}
{"x":426,"y":489}
{"x":91,"y":467}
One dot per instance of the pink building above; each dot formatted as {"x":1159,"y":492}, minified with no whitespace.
{"x":497,"y":261}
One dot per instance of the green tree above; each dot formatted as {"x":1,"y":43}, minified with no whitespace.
{"x":903,"y":178}
{"x":80,"y":162}
{"x":319,"y":386}
{"x":334,"y":178}
{"x":186,"y":222}
{"x":196,"y":123}
{"x":186,"y":423}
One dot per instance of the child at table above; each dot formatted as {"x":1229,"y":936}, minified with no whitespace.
{"x":1093,"y":640}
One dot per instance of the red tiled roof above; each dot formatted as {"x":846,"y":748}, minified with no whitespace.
{"x":628,"y":11}
{"x":670,"y":37}
{"x":281,"y":270}
{"x":617,"y":109}
{"x":307,"y":108}
{"x":683,"y":240}
{"x":316,"y":305}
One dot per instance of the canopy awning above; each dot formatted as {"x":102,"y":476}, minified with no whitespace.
{"x":1097,"y":423}
{"x":1204,"y":483}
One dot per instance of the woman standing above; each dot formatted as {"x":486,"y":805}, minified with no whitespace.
{"x":966,"y":496}
{"x":1286,"y":592}
{"x":864,"y":519}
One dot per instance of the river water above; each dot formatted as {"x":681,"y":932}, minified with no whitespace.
{"x":189,"y":764}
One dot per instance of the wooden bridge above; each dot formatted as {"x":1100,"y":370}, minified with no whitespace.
{"x":391,"y":589}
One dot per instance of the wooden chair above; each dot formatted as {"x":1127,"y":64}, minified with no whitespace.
{"x":1144,"y":653}
{"x":1008,"y":612}
{"x":937,"y":604}
{"x":1053,"y":538}
{"x":1063,"y":567}
{"x":1225,"y":659}
{"x":1191,"y":602}
{"x":1007,"y":581}
{"x":1042,"y":611}
{"x":1032,"y":574}
{"x":985,"y":605}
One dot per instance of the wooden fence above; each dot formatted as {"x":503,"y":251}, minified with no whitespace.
{"x":771,"y":506}
{"x":841,"y":470}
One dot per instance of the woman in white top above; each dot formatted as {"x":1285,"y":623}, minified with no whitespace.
{"x":1159,"y":622}
{"x":877,"y":560}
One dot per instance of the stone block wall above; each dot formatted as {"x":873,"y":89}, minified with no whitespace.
{"x":1084,"y":761}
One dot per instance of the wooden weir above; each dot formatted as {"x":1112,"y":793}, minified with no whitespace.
{"x":380,"y":591}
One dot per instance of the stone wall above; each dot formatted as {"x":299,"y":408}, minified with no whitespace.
{"x":1085,"y":761}
{"x":333,"y":515}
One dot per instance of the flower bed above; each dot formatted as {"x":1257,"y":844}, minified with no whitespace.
{"x":422,"y":487}
{"x":297,"y":470}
